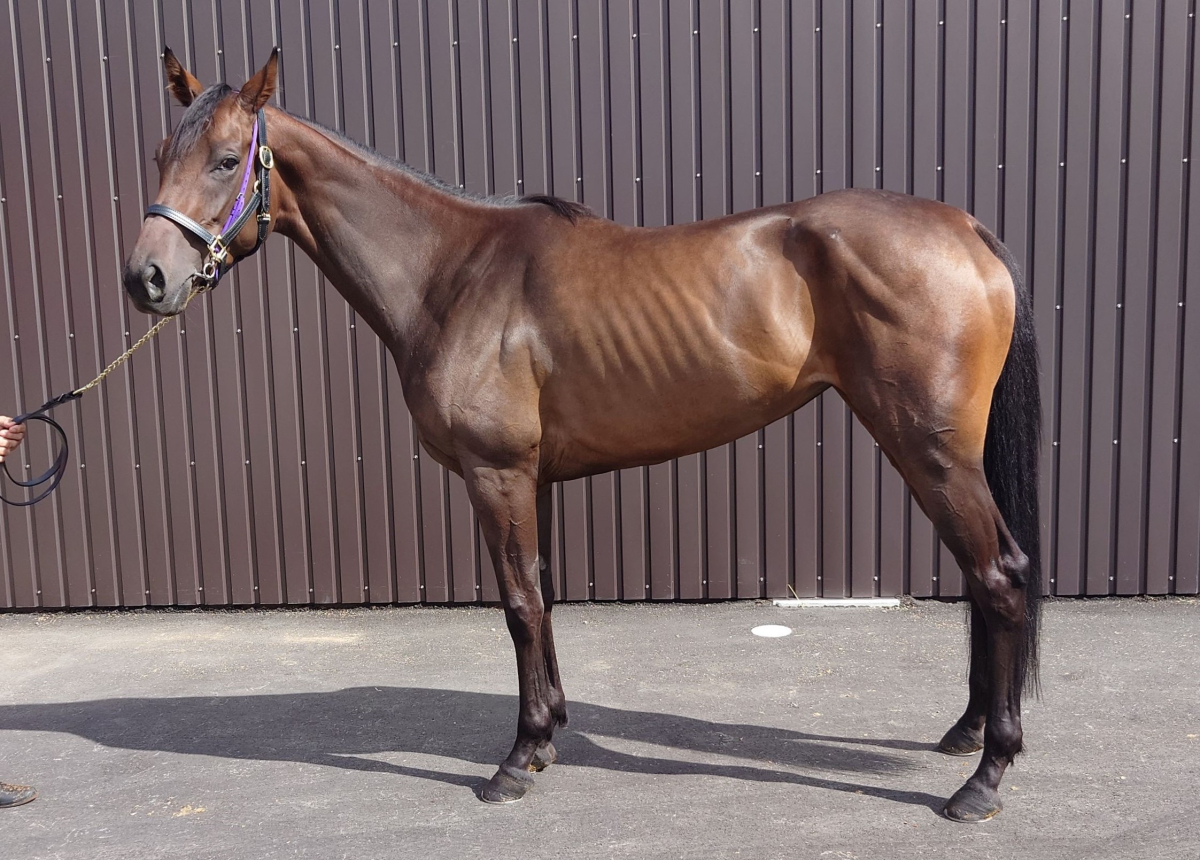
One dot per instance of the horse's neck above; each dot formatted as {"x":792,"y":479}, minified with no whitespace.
{"x":379,"y":235}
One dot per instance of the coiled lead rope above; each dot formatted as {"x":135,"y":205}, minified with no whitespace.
{"x":58,"y":467}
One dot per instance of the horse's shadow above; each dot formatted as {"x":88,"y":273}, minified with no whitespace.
{"x":342,"y":728}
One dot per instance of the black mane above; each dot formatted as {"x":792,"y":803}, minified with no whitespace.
{"x":568,"y":209}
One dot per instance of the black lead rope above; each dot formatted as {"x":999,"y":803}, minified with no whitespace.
{"x":58,"y":468}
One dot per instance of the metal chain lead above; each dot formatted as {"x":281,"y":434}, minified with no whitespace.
{"x":123,"y":357}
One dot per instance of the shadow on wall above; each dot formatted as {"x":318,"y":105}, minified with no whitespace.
{"x":339,"y":729}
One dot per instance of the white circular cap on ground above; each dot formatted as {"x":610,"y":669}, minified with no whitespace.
{"x":771,"y":631}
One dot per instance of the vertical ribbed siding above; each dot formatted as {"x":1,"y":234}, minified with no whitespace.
{"x":261,"y":453}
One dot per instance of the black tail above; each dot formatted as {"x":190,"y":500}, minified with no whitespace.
{"x":1010,"y":457}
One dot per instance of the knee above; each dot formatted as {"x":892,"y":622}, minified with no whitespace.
{"x":523,"y":612}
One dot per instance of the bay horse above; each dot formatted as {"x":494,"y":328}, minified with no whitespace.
{"x":537,"y":343}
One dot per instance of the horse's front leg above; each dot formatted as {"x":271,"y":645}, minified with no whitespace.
{"x":505,"y":498}
{"x":546,"y":754}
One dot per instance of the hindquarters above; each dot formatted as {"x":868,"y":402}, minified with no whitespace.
{"x":931,"y":338}
{"x":924,"y":318}
{"x":913,"y":316}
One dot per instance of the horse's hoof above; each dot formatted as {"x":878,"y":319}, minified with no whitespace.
{"x":971,"y":804}
{"x":507,"y":785}
{"x":15,"y":795}
{"x":960,"y":741}
{"x":543,"y":757}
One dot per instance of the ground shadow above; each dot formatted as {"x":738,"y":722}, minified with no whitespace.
{"x":340,"y":728}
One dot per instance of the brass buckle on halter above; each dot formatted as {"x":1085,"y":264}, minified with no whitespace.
{"x":218,"y":251}
{"x":217,"y":254}
{"x":265,"y":157}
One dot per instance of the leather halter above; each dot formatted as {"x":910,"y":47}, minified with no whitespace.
{"x":220,"y":259}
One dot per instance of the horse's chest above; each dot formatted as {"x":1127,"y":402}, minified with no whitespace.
{"x":485,"y":415}
{"x":431,"y":417}
{"x":439,"y":455}
{"x":431,"y":413}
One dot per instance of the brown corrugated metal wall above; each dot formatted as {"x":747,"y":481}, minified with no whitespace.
{"x":261,"y":451}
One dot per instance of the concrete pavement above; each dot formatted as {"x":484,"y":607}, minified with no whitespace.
{"x":365,"y":734}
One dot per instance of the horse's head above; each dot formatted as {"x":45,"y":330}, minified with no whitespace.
{"x":203,"y":167}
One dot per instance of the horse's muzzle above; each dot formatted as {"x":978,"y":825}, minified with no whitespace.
{"x":147,"y":286}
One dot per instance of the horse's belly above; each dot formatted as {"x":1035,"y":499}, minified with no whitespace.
{"x":623,"y":420}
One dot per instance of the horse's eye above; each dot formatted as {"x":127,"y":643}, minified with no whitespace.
{"x":229,"y":162}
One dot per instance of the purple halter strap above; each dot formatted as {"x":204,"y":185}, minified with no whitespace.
{"x":240,"y":202}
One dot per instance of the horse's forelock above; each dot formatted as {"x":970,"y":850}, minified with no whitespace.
{"x":196,"y":120}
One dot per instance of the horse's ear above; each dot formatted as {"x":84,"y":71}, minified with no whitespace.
{"x":257,"y":91}
{"x":180,"y":81}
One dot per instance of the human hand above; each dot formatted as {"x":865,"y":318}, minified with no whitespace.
{"x":10,"y":436}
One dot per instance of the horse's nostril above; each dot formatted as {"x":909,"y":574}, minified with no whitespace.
{"x":156,"y":285}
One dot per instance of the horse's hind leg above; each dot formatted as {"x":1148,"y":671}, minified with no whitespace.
{"x":966,"y":736}
{"x":545,"y":754}
{"x":953,"y":492}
